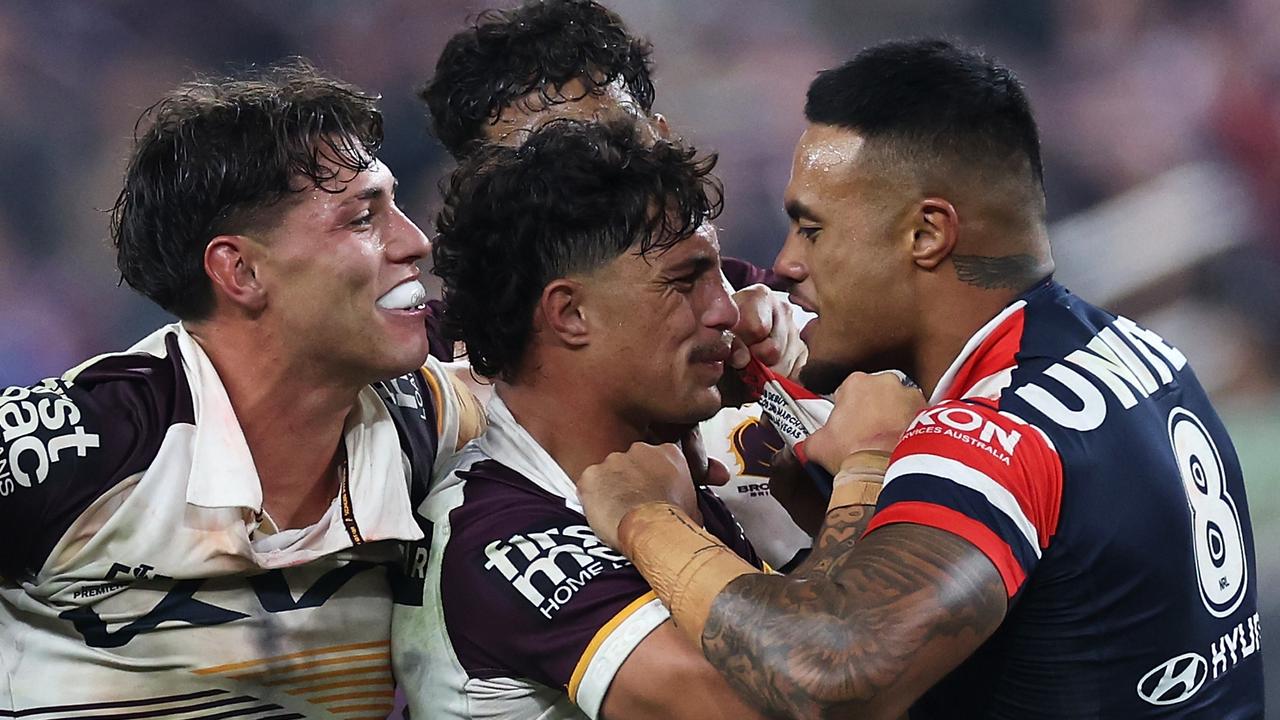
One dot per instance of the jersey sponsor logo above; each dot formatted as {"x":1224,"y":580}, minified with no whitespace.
{"x":1242,"y":641}
{"x":1175,"y":680}
{"x":1077,"y":403}
{"x":38,"y":425}
{"x":967,"y":426}
{"x":548,"y":568}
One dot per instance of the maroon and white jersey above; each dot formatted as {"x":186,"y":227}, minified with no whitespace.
{"x":745,"y":443}
{"x":142,"y":577}
{"x":526,"y":613}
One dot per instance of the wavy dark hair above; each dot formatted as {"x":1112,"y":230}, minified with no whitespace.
{"x":216,"y":156}
{"x":507,"y":54}
{"x":570,"y":200}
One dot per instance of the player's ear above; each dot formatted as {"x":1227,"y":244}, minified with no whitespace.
{"x":230,"y":262}
{"x":935,"y":229}
{"x":562,"y":311}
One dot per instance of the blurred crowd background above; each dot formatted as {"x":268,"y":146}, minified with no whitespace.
{"x":1160,"y":121}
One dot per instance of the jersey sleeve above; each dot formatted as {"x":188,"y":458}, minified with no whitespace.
{"x":64,"y":443}
{"x":458,"y":415}
{"x":984,"y":475}
{"x":528,"y":591}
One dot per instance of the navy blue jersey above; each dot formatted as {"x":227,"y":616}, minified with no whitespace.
{"x":1078,"y":451}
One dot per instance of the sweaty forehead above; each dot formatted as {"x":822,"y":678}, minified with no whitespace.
{"x":827,"y":167}
{"x":828,"y":150}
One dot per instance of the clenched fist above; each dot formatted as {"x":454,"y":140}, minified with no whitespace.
{"x":767,"y":331}
{"x":871,"y":412}
{"x":626,"y":480}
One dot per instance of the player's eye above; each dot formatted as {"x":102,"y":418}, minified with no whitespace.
{"x":808,"y":232}
{"x":365,"y":218}
{"x":684,"y":283}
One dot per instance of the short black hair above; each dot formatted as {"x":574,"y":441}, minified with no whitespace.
{"x":574,"y":197}
{"x":216,"y":154}
{"x":932,"y":98}
{"x":507,"y":54}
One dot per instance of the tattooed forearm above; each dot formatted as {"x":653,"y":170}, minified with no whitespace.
{"x":839,"y":643}
{"x":841,"y":529}
{"x":1015,"y":272}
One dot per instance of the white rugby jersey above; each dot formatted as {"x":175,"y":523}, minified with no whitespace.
{"x":526,"y":613}
{"x":144,"y":580}
{"x":738,"y":438}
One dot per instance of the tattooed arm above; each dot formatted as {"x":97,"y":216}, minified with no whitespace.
{"x":864,"y":630}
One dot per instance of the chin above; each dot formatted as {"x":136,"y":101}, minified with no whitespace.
{"x":402,"y":364}
{"x":700,"y":406}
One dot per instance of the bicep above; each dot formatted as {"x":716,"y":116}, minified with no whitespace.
{"x":897,"y":611}
{"x":665,"y":677}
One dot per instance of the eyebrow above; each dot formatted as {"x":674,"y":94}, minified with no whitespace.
{"x":796,"y":210}
{"x":696,"y":264}
{"x":370,"y":193}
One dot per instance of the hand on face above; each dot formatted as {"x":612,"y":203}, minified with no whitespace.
{"x":871,"y":412}
{"x":626,"y":480}
{"x":766,"y":330}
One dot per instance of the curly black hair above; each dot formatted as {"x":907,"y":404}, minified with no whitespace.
{"x":539,"y":46}
{"x":570,"y":200}
{"x":217,"y":154}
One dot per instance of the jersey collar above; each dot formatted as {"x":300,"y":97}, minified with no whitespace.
{"x":988,"y":353}
{"x":223,"y":473}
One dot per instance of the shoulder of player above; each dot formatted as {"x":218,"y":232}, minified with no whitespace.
{"x":490,"y":501}
{"x":65,"y":442}
{"x":977,"y":431}
{"x":127,"y":401}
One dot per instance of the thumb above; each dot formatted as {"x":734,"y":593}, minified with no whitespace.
{"x":695,"y":455}
{"x":717,"y":473}
{"x":739,"y":355}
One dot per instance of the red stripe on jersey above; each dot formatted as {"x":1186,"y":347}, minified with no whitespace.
{"x":1013,"y":454}
{"x":994,"y":354}
{"x":944,"y":518}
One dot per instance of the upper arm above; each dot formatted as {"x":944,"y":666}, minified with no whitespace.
{"x":666,"y":677}
{"x":472,"y":421}
{"x":970,"y":500}
{"x":458,"y":415}
{"x":529,"y":592}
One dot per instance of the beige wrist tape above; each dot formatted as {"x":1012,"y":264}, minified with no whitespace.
{"x":860,"y":479}
{"x":685,"y":565}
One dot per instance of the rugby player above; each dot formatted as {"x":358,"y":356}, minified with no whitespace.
{"x":203,"y":524}
{"x":1061,"y":533}
{"x":611,"y":321}
{"x":512,"y":70}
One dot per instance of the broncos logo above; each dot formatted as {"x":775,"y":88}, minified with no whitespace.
{"x":754,"y":444}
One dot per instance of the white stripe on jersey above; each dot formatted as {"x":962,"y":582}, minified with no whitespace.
{"x":605,"y":664}
{"x":961,"y":474}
